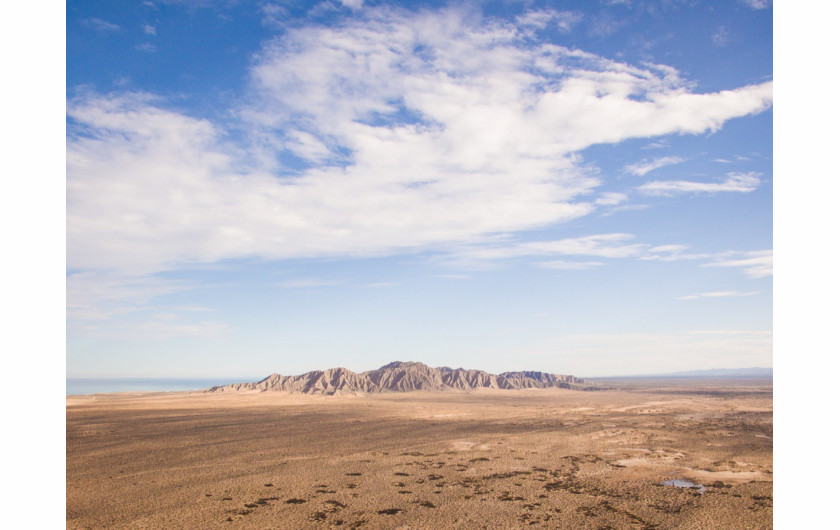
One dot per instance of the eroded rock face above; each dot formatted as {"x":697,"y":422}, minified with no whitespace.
{"x":406,"y":377}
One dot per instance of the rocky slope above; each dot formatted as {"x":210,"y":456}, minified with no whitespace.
{"x":405,"y":377}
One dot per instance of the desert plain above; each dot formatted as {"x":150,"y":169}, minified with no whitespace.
{"x":543,"y":458}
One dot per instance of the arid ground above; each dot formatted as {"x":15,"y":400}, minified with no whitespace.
{"x":485,"y":459}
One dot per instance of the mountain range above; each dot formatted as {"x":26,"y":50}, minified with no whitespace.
{"x":406,"y":377}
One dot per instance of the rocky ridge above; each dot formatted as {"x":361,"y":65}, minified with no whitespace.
{"x":406,"y":377}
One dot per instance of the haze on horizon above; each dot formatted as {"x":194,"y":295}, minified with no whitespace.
{"x":266,"y":187}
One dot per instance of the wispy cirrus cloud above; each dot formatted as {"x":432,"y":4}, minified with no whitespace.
{"x":735,"y":182}
{"x":100,"y":25}
{"x":718,"y":294}
{"x":644,"y":167}
{"x":147,"y":47}
{"x":612,"y":246}
{"x":601,"y":245}
{"x":756,"y":264}
{"x":616,"y":245}
{"x":673,"y":253}
{"x":611,"y":198}
{"x":757,"y":4}
{"x":721,"y":37}
{"x":605,"y":25}
{"x":658,"y":144}
{"x":606,"y":246}
{"x":99,"y":295}
{"x":94,"y":297}
{"x":353,"y":4}
{"x":273,"y":15}
{"x":542,"y":18}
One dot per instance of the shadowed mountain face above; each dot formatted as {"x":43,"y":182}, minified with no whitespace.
{"x":406,"y":377}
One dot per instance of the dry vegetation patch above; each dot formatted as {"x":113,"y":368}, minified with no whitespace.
{"x":489,"y":459}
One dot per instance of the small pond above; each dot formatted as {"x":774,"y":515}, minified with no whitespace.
{"x":684,"y":484}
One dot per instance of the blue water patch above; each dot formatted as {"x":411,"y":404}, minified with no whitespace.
{"x":84,"y":386}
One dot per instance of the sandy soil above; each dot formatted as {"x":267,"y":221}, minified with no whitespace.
{"x":485,"y":459}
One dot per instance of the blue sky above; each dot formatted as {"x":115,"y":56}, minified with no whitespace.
{"x":576,"y":187}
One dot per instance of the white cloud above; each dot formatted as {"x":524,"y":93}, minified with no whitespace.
{"x":735,"y":182}
{"x":324,"y":9}
{"x":538,"y":18}
{"x":757,"y":4}
{"x":542,"y":18}
{"x":627,"y":208}
{"x":149,"y":29}
{"x":608,"y":246}
{"x":306,"y":146}
{"x":273,"y":15}
{"x":601,"y":245}
{"x":610,"y":198}
{"x":353,"y":4}
{"x":718,"y":294}
{"x":147,"y":47}
{"x":611,"y":246}
{"x":669,"y":248}
{"x":489,"y":122}
{"x":659,"y":144}
{"x":644,"y":167}
{"x":605,"y":25}
{"x":672,"y":253}
{"x":152,"y":189}
{"x":100,"y":25}
{"x":756,"y":264}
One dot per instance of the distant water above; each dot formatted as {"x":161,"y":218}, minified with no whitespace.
{"x":77,"y":387}
{"x":685,"y":484}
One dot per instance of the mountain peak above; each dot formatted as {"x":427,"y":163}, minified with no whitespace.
{"x":402,"y":364}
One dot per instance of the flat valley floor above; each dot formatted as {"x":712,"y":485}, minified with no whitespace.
{"x":483,"y":459}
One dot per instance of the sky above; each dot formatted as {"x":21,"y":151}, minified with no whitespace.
{"x":575,"y":187}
